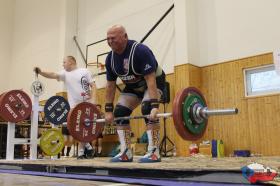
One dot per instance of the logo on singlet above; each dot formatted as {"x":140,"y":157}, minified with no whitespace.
{"x":147,"y":67}
{"x":85,"y":85}
{"x":125,"y":65}
{"x":127,"y":78}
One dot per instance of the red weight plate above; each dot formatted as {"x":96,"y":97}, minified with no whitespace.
{"x":178,"y":114}
{"x":80,"y":122}
{"x":15,"y":106}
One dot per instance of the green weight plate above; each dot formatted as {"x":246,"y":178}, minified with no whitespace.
{"x":52,"y":142}
{"x":193,"y":126}
{"x":177,"y":112}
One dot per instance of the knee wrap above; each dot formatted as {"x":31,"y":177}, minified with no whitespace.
{"x":146,"y":107}
{"x":121,"y":111}
{"x":146,"y":110}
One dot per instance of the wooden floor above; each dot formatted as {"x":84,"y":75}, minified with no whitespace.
{"x":191,"y":165}
{"x":198,"y":163}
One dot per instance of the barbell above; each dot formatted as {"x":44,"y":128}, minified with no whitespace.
{"x":200,"y":114}
{"x":190,"y":115}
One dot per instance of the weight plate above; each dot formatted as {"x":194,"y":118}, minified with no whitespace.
{"x":37,"y":88}
{"x":56,"y":109}
{"x":80,"y":122}
{"x":15,"y":106}
{"x":178,"y":117}
{"x":189,"y":107}
{"x":52,"y":142}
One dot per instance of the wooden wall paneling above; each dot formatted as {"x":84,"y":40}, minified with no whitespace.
{"x":191,"y":77}
{"x":181,"y":74}
{"x":256,"y":126}
{"x":170,"y":130}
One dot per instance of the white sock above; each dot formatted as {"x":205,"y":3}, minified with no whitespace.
{"x":150,"y":140}
{"x":153,"y":139}
{"x":99,"y":149}
{"x":81,"y":150}
{"x":88,"y":146}
{"x":124,"y":139}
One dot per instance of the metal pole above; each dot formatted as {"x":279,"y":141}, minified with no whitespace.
{"x":157,"y":23}
{"x":203,"y":112}
{"x":80,"y":50}
{"x":133,"y":117}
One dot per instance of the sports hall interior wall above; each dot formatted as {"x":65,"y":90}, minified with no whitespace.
{"x":254,"y":128}
{"x":6,"y":25}
{"x":221,"y":34}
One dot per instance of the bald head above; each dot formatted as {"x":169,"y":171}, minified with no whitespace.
{"x":117,"y":28}
{"x":117,"y":38}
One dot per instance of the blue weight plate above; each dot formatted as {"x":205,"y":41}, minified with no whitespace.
{"x":56,"y":110}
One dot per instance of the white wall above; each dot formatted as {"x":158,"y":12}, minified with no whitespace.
{"x":39,"y":32}
{"x":96,"y":16}
{"x":41,"y":37}
{"x":205,"y":32}
{"x":181,"y":20}
{"x":69,"y":27}
{"x":232,"y":29}
{"x":6,"y":25}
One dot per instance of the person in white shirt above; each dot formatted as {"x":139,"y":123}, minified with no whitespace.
{"x":80,"y":87}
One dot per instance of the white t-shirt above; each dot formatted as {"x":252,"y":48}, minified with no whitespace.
{"x":77,"y":83}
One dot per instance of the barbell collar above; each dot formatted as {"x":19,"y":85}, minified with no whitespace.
{"x":205,"y":112}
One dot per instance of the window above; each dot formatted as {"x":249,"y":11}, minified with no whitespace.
{"x":261,"y":81}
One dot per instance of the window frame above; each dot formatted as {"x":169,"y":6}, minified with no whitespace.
{"x":247,"y":81}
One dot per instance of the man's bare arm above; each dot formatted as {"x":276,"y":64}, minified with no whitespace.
{"x":50,"y":75}
{"x":110,"y":91}
{"x":152,"y":85}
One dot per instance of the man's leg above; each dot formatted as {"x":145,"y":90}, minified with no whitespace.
{"x":68,"y":149}
{"x":152,"y":129}
{"x":99,"y":151}
{"x":94,"y":145}
{"x":69,"y":144}
{"x":90,"y":151}
{"x":68,"y":141}
{"x":81,"y":150}
{"x":123,"y":130}
{"x":125,"y":106}
{"x":62,"y":151}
